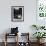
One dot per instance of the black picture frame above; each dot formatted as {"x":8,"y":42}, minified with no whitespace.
{"x":17,"y":13}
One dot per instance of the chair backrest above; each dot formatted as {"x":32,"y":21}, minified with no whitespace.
{"x":24,"y":37}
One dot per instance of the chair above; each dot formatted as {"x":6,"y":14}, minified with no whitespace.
{"x":14,"y":32}
{"x":7,"y":35}
{"x":26,"y":41}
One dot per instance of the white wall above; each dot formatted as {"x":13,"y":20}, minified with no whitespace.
{"x":29,"y":15}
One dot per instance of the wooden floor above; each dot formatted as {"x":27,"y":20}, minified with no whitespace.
{"x":13,"y":44}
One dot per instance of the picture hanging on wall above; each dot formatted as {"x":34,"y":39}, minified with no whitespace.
{"x":17,"y":13}
{"x":41,"y":12}
{"x":41,"y":8}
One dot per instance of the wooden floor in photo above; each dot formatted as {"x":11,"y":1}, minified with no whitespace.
{"x":13,"y":44}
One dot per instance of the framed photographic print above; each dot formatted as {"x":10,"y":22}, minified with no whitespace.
{"x":17,"y":13}
{"x":41,"y":12}
{"x":41,"y":8}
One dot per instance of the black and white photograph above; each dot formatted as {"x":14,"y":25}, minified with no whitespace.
{"x":17,"y":13}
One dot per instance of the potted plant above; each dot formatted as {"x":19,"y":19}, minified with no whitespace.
{"x":39,"y":35}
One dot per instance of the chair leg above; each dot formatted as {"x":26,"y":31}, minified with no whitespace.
{"x":5,"y":40}
{"x":5,"y":43}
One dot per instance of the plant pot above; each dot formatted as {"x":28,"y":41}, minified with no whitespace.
{"x":40,"y":41}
